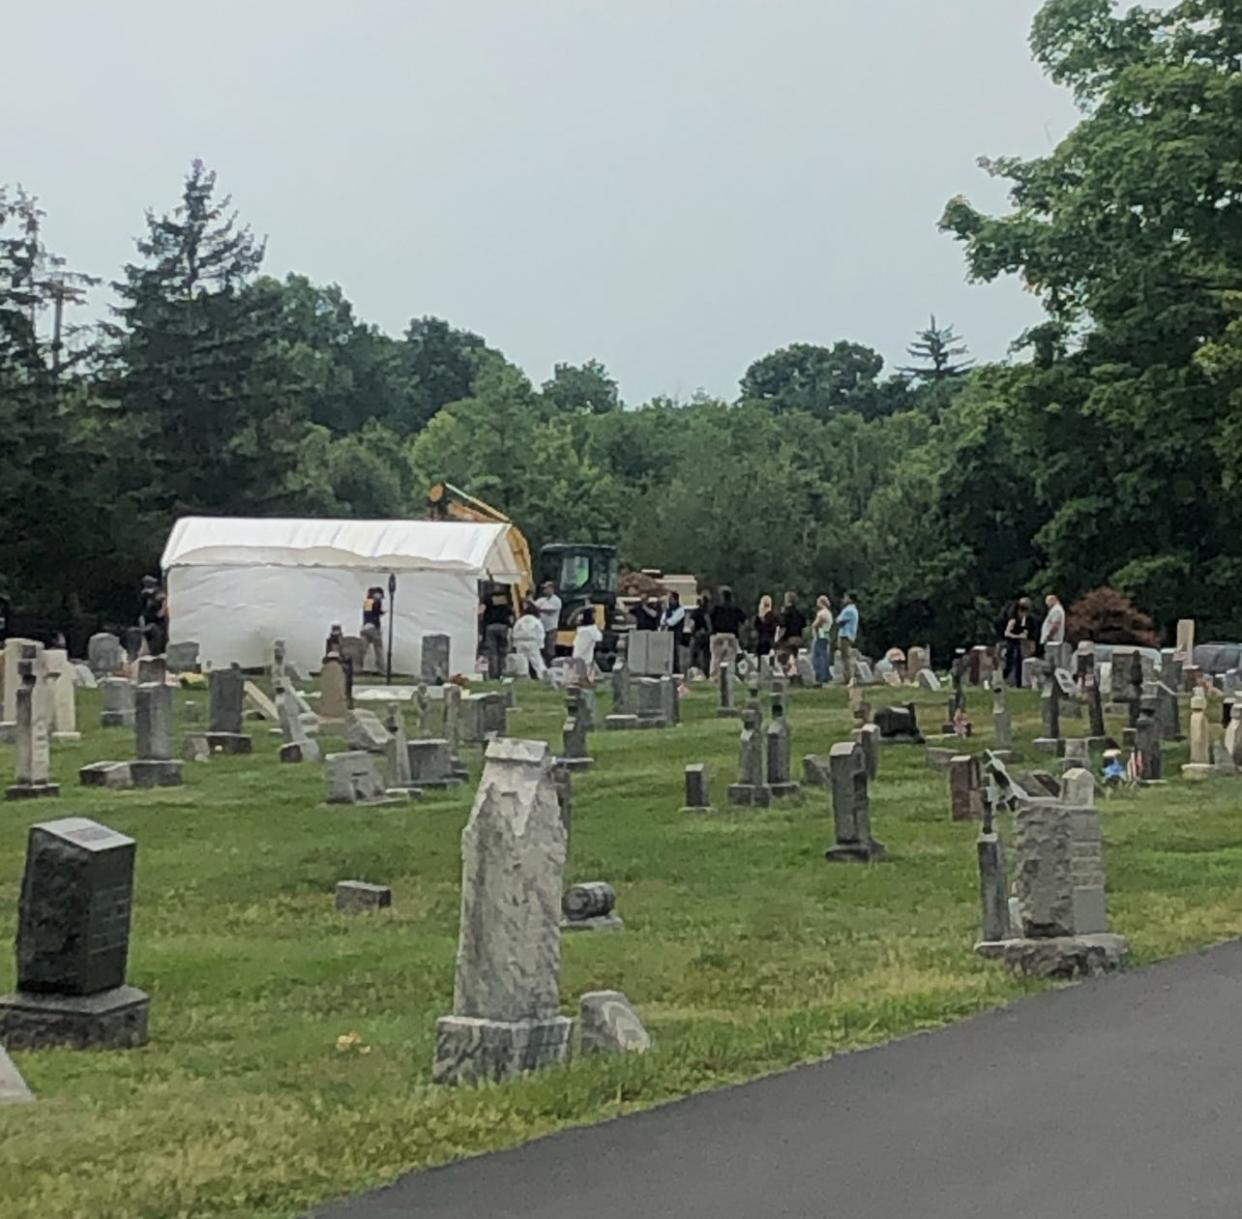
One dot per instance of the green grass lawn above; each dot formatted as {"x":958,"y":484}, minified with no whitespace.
{"x":744,"y":952}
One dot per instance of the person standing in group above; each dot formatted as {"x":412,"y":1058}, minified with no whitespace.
{"x":646,"y":614}
{"x":766,"y":626}
{"x":1017,"y":635}
{"x":847,"y":633}
{"x":792,"y":629}
{"x":821,"y":641}
{"x":701,"y":635}
{"x":726,"y":621}
{"x":528,"y":640}
{"x":673,"y":620}
{"x":373,"y":628}
{"x":497,"y":619}
{"x":153,"y":616}
{"x":1053,"y":629}
{"x":549,"y":607}
{"x":586,"y":638}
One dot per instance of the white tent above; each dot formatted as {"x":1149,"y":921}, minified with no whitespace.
{"x":235,"y":584}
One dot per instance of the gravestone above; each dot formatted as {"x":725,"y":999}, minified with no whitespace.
{"x":851,"y":806}
{"x":1095,"y":709}
{"x":432,"y":764}
{"x":353,"y":652}
{"x":1134,"y":688}
{"x":73,"y":942}
{"x":649,"y":653}
{"x":1119,"y":674}
{"x":698,"y":790}
{"x":117,"y":695}
{"x":508,"y":687}
{"x":354,"y":779}
{"x":670,"y":701}
{"x":153,"y":765}
{"x":358,"y":897}
{"x":1060,"y":901}
{"x":779,"y":750}
{"x":1200,"y":764}
{"x":993,"y":890}
{"x":816,"y":771}
{"x":297,"y":746}
{"x":1149,"y":760}
{"x":574,"y":754}
{"x":1002,"y":720}
{"x":862,"y":672}
{"x":918,"y":660}
{"x":365,"y":730}
{"x":1076,"y":751}
{"x":398,"y":774}
{"x":622,"y":694}
{"x":258,"y":703}
{"x":422,"y":711}
{"x":104,"y":654}
{"x":1186,"y":640}
{"x":333,"y":690}
{"x":927,"y":680}
{"x":452,"y":728}
{"x":899,"y":725}
{"x":1168,"y":713}
{"x":965,"y":788}
{"x":15,"y":651}
{"x":114,"y":775}
{"x":182,"y":657}
{"x":651,"y":701}
{"x":1050,"y":715}
{"x":506,"y":998}
{"x":980,"y":665}
{"x":1078,"y":787}
{"x":610,"y":1025}
{"x":63,"y":692}
{"x":938,"y":758}
{"x":868,"y":736}
{"x":860,"y":705}
{"x":434,"y":660}
{"x":806,"y":671}
{"x":590,"y":907}
{"x":1034,"y":672}
{"x":482,"y":717}
{"x":226,"y":708}
{"x":750,"y":790}
{"x":34,"y":753}
{"x":1171,"y":670}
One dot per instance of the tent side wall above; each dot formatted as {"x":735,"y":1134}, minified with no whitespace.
{"x":236,"y":612}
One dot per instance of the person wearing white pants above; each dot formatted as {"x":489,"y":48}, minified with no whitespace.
{"x":528,"y":640}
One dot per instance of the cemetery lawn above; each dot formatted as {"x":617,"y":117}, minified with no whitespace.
{"x":745,"y":952}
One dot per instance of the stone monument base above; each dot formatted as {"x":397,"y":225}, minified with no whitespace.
{"x":469,"y":1049}
{"x":299,"y":751}
{"x":112,"y":1020}
{"x":615,"y":722}
{"x":228,"y":742}
{"x":1070,"y":956}
{"x":31,"y":791}
{"x":579,"y":765}
{"x":1051,"y":745}
{"x":66,"y":738}
{"x":904,"y":738}
{"x":856,"y":852}
{"x":698,"y":808}
{"x":8,"y":732}
{"x":728,"y":713}
{"x":106,"y":774}
{"x":1198,"y":770}
{"x":116,"y":719}
{"x":150,"y":772}
{"x":602,"y":922}
{"x":750,"y":795}
{"x":782,"y":791}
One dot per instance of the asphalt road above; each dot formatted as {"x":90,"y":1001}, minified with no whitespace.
{"x":1116,"y":1099}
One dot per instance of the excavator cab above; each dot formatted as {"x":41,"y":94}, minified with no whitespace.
{"x":584,"y":575}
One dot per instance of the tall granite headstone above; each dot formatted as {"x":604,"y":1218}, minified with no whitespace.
{"x":851,"y":806}
{"x":506,"y":998}
{"x":433,"y":668}
{"x":750,"y":790}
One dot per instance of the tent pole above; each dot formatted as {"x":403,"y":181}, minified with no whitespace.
{"x":392,"y":603}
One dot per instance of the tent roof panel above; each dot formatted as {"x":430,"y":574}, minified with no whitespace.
{"x":464,"y":546}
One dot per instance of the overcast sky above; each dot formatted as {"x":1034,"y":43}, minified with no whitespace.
{"x":674,"y":187}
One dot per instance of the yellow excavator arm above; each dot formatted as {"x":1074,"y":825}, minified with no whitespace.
{"x":446,"y":502}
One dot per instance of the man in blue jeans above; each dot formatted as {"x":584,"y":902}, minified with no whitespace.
{"x":847,"y":634}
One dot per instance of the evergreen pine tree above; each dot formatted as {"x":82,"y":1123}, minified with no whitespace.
{"x":938,"y":351}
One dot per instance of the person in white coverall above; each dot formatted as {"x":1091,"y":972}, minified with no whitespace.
{"x":528,"y":640}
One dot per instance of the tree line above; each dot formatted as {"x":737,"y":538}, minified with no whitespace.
{"x":1104,"y":452}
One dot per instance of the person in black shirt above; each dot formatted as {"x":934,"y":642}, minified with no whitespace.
{"x":700,"y":635}
{"x":373,"y":627}
{"x":793,"y":628}
{"x":646,"y":615}
{"x":153,"y":616}
{"x":726,"y":621}
{"x":497,"y":619}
